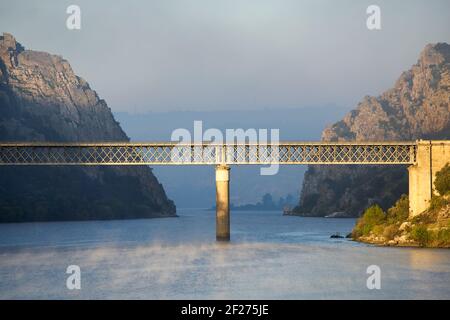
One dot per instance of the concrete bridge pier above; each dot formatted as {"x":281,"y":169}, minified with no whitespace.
{"x":431,"y":156}
{"x":222,"y":203}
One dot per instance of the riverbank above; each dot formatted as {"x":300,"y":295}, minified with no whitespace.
{"x":394,"y":228}
{"x":397,"y":227}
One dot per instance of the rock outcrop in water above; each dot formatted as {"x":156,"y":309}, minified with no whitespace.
{"x":42,"y":99}
{"x":416,"y":107}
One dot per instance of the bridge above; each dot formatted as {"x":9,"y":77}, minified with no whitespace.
{"x":424,"y":158}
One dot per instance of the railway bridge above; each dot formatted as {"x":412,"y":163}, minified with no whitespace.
{"x":423,"y":157}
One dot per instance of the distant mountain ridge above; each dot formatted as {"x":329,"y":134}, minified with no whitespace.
{"x":418,"y":106}
{"x":42,"y":99}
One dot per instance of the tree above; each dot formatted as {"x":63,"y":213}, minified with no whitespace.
{"x":372,"y":217}
{"x":442,"y":182}
{"x":400,"y":211}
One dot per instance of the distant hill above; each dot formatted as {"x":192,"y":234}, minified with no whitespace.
{"x":42,"y":99}
{"x":416,"y":107}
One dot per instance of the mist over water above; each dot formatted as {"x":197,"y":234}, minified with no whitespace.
{"x":270,"y":257}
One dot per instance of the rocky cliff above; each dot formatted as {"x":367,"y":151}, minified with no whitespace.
{"x":42,"y":99}
{"x":416,"y":107}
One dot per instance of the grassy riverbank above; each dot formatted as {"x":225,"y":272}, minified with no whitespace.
{"x":394,"y":227}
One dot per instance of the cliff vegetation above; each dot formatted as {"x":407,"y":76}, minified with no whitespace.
{"x":394,"y":227}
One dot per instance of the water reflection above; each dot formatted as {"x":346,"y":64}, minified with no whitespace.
{"x":269,"y":257}
{"x":421,"y":259}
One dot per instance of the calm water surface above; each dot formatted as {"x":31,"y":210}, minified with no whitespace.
{"x":269,"y":257}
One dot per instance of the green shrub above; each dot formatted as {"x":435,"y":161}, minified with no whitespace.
{"x":378,"y":229}
{"x":399,"y":212}
{"x":442,"y":182}
{"x":421,"y":234}
{"x":443,"y":237}
{"x":390,"y":232}
{"x":373,"y":216}
{"x":438,"y":202}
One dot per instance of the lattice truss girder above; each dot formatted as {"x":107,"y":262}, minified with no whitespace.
{"x":198,"y":154}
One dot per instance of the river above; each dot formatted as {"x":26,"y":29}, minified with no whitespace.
{"x":270,"y":256}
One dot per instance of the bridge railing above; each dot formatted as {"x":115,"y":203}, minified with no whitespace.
{"x":172,"y":153}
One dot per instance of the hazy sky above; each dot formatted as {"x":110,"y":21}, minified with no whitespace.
{"x":228,"y":54}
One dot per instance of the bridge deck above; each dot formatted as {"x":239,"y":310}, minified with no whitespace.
{"x":173,"y":153}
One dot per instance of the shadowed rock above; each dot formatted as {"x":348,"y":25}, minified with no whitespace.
{"x":42,"y":99}
{"x":416,"y":107}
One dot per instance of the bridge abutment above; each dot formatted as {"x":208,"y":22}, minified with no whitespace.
{"x":222,"y":203}
{"x":431,"y":156}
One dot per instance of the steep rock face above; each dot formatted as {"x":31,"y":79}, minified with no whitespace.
{"x":41,"y":99}
{"x":417,"y":107}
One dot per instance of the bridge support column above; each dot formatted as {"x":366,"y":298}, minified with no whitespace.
{"x":431,"y":156}
{"x":223,"y":203}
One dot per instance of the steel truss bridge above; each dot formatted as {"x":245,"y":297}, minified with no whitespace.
{"x":222,"y":156}
{"x":173,"y":153}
